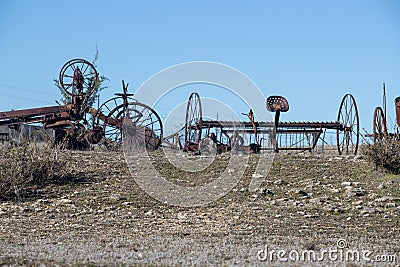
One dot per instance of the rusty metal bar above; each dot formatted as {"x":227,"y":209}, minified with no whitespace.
{"x":12,"y":114}
{"x":33,"y":115}
{"x":283,"y":124}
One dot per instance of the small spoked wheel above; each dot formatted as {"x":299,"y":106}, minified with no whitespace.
{"x":78,"y":76}
{"x":379,"y":125}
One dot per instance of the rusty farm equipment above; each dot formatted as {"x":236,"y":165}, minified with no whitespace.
{"x":379,"y":120}
{"x":71,"y":123}
{"x":252,"y":136}
{"x":77,"y":125}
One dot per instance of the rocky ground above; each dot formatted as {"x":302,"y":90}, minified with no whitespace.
{"x":307,"y":204}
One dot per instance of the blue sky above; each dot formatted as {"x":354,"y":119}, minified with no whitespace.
{"x":311,"y":52}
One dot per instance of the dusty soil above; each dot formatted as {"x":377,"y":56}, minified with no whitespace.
{"x":100,"y":216}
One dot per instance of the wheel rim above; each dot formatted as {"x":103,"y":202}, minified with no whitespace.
{"x":379,"y":125}
{"x":66,"y":77}
{"x":194,"y":120}
{"x":141,"y":122}
{"x":348,"y":136}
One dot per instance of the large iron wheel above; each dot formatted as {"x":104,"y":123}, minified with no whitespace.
{"x":88,"y":71}
{"x":194,"y":119}
{"x":379,"y":125}
{"x":348,"y":136}
{"x":141,"y":122}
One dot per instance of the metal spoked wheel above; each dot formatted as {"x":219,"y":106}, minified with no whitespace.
{"x":348,"y":136}
{"x":194,"y":120}
{"x":86,"y":69}
{"x":379,"y":125}
{"x":141,"y":122}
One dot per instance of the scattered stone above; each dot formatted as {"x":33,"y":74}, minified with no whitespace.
{"x":296,"y":203}
{"x":116,"y":197}
{"x":279,"y":182}
{"x":369,"y":210}
{"x":358,"y":202}
{"x":346,"y":183}
{"x":181,"y":216}
{"x":257,"y":176}
{"x":309,"y":187}
{"x":139,"y":256}
{"x":363,"y":212}
{"x":335,"y":190}
{"x":381,"y":186}
{"x":385,"y":199}
{"x":65,"y":201}
{"x":355,"y":192}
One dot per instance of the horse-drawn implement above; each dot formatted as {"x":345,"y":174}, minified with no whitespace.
{"x":73,"y":127}
{"x":254,"y":136}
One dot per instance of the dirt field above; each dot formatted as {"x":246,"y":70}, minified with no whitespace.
{"x":311,"y":210}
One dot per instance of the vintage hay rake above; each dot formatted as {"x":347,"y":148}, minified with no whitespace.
{"x":253,"y":136}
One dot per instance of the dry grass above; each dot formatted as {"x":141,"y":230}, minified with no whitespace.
{"x":384,"y":153}
{"x":25,"y":168}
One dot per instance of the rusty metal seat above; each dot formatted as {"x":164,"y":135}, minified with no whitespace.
{"x":277,"y":103}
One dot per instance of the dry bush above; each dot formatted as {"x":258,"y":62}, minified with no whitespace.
{"x":384,"y":153}
{"x":25,"y":167}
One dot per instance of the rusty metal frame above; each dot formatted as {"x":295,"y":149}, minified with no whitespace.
{"x":346,"y":127}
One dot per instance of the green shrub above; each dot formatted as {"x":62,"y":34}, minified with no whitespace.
{"x":384,"y":153}
{"x":25,"y":167}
